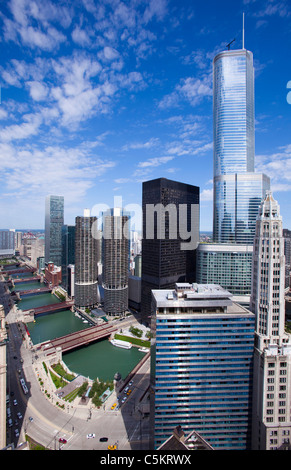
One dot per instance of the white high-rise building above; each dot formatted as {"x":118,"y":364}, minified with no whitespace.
{"x":272,"y":359}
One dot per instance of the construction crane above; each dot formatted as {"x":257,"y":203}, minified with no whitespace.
{"x":228,"y":45}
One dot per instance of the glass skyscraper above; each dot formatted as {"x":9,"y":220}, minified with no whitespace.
{"x":201,"y":366}
{"x":238,"y":190}
{"x":54,"y":221}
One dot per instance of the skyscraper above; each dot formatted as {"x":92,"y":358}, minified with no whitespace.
{"x":272,"y":359}
{"x":170,"y":238}
{"x":238,"y":190}
{"x":115,"y":261}
{"x":68,"y":251}
{"x":86,"y":288}
{"x":201,"y":365}
{"x":54,"y":220}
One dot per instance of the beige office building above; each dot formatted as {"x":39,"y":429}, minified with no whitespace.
{"x":3,"y":379}
{"x":272,"y":360}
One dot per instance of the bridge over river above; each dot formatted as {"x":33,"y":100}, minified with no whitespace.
{"x":78,"y":338}
{"x":50,"y":308}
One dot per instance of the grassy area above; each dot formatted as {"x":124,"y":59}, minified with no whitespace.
{"x":33,"y":445}
{"x":58,"y":381}
{"x":58,"y":368}
{"x":130,"y":339}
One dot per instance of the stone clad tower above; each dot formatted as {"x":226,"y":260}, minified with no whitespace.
{"x":272,"y":358}
{"x":3,"y":378}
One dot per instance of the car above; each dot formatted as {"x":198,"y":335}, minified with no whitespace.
{"x":130,"y":383}
{"x":123,"y":399}
{"x":19,"y":415}
{"x":126,"y":389}
{"x":103,"y":439}
{"x":62,"y":440}
{"x":30,"y":419}
{"x":90,"y":436}
{"x":14,"y":402}
{"x":112,"y":447}
{"x":16,"y":432}
{"x":113,"y":406}
{"x":129,"y":392}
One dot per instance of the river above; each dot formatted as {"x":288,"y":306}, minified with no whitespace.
{"x":100,"y":359}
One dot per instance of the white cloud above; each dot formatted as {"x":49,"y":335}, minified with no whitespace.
{"x":157,"y":161}
{"x":206,"y":195}
{"x":278,"y":167}
{"x":38,"y":91}
{"x":141,"y":145}
{"x":29,"y":127}
{"x":73,"y":170}
{"x":189,"y":89}
{"x":26,"y":14}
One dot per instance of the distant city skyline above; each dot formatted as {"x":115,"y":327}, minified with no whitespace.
{"x":98,"y":98}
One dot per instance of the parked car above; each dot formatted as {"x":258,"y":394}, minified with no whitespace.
{"x":103,"y":439}
{"x":90,"y":436}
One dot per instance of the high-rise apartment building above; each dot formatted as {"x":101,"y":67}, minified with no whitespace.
{"x":272,"y":359}
{"x":86,"y":287}
{"x":115,"y":261}
{"x":238,"y":191}
{"x":201,"y":365}
{"x":170,"y":236}
{"x":54,"y":220}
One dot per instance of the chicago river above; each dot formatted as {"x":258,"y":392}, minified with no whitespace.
{"x":126,"y":427}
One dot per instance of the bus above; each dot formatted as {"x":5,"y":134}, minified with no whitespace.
{"x":23,"y":385}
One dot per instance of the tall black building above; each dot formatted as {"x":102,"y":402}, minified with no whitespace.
{"x":170,"y":236}
{"x":68,"y":251}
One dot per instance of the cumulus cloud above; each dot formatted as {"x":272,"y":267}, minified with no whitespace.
{"x":191,"y":90}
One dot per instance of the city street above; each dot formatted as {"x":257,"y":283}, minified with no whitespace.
{"x":46,"y":423}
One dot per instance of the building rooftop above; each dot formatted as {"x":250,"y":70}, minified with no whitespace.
{"x":178,"y":441}
{"x":204,"y":296}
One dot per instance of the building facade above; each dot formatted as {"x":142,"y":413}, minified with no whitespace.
{"x":86,"y":287}
{"x":68,"y":251}
{"x":3,"y":377}
{"x":238,"y":191}
{"x":169,"y":245}
{"x":115,"y":261}
{"x":53,"y":275}
{"x":201,"y":366}
{"x":229,"y":265}
{"x":7,"y":243}
{"x":272,"y":361}
{"x":54,"y":220}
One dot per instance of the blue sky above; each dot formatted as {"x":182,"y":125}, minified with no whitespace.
{"x":99,"y":96}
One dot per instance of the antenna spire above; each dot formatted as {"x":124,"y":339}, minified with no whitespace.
{"x":243,"y":32}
